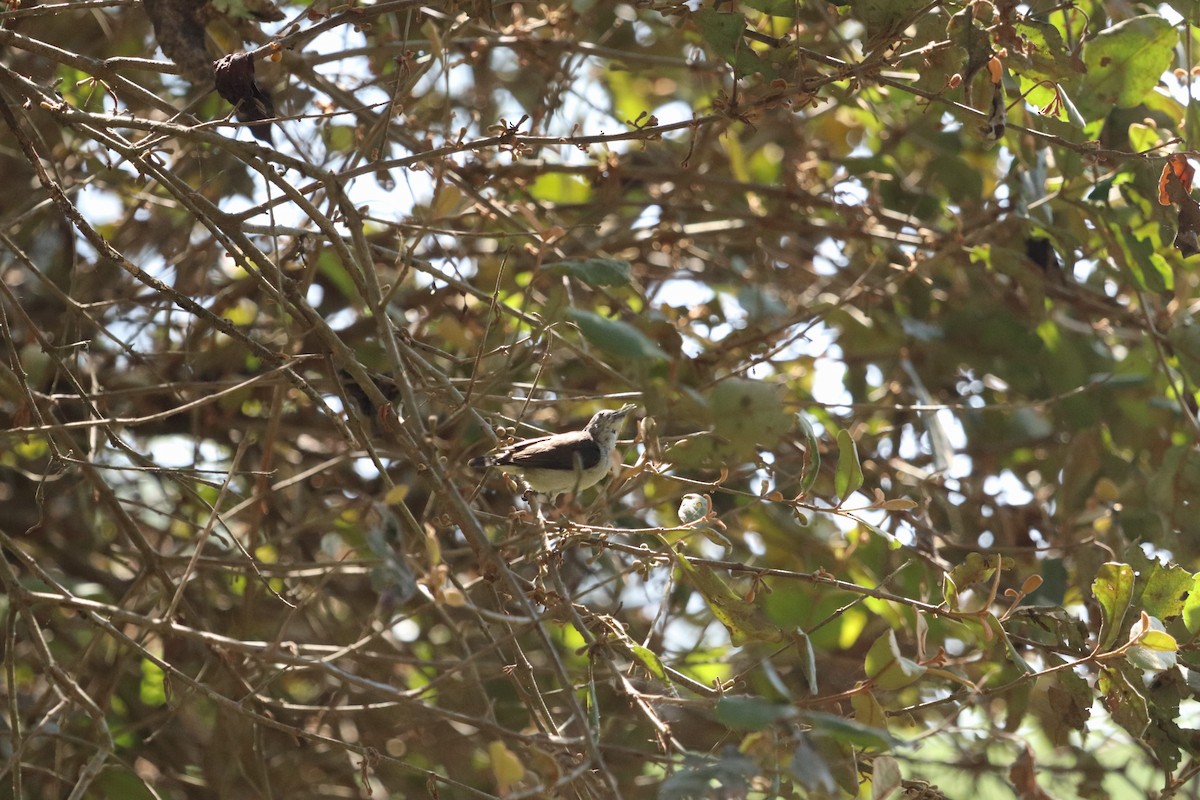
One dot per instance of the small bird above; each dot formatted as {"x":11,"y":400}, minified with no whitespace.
{"x":563,"y":462}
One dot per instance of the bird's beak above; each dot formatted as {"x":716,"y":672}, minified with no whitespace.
{"x":625,"y":409}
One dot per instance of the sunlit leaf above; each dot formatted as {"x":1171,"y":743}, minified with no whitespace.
{"x":1124,"y":62}
{"x":1165,"y":591}
{"x":650,"y":660}
{"x":558,"y":187}
{"x":152,"y":691}
{"x":748,"y":414}
{"x":1113,"y":590}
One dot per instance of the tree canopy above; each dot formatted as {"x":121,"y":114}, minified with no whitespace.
{"x":904,"y":291}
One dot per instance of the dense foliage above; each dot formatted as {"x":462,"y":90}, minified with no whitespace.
{"x":902,"y":291}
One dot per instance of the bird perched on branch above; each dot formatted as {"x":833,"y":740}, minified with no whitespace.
{"x":563,"y":462}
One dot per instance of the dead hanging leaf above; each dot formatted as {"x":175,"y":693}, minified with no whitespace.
{"x":1174,"y":188}
{"x":1178,"y":166}
{"x":1187,"y":238}
{"x":1023,"y":775}
{"x":179,"y":30}
{"x":235,"y":82}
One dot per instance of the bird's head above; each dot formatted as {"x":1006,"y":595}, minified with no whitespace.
{"x":604,"y":425}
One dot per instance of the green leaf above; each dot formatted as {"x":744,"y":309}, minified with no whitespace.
{"x":733,"y":771}
{"x":883,"y":17}
{"x":1191,"y":607}
{"x":560,"y":188}
{"x":329,"y":265}
{"x":1164,"y":276}
{"x":650,"y":660}
{"x":743,"y":619}
{"x":153,"y":690}
{"x":1128,"y":705}
{"x":714,"y":536}
{"x":849,"y":731}
{"x":761,"y":304}
{"x":1143,"y":137}
{"x":1192,"y":126}
{"x":974,"y":568}
{"x":242,"y":313}
{"x":750,"y":713}
{"x":615,"y":337}
{"x":998,"y":632}
{"x":339,"y":138}
{"x":391,"y":576}
{"x":808,"y":659}
{"x":1068,"y":705}
{"x":1184,"y":338}
{"x":593,"y":271}
{"x":1166,"y":589}
{"x":1124,"y":63}
{"x":747,"y":414}
{"x":886,"y":668}
{"x":117,"y":781}
{"x":723,"y":33}
{"x":1074,"y":117}
{"x":950,"y":591}
{"x":868,"y":711}
{"x":849,"y":476}
{"x":1113,"y":589}
{"x":1046,"y":57}
{"x":812,"y":455}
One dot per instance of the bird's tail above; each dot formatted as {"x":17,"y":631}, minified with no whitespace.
{"x":481,"y":462}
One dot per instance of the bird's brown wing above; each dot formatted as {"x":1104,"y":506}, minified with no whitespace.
{"x":553,"y":452}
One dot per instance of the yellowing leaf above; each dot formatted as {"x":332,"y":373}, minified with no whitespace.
{"x":395,"y":495}
{"x":898,"y":504}
{"x":507,"y":769}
